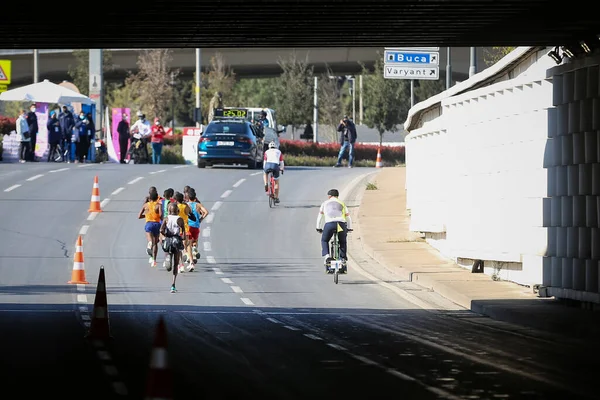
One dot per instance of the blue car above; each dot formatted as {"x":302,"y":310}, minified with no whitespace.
{"x":231,"y":141}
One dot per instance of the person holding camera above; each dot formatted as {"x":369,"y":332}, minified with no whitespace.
{"x":348,"y":135}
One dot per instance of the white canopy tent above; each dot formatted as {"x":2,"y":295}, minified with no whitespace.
{"x":45,"y":92}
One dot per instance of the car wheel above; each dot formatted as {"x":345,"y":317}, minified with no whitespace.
{"x":252,"y":164}
{"x":201,"y":164}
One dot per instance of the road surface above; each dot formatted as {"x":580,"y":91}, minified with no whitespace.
{"x":259,"y":317}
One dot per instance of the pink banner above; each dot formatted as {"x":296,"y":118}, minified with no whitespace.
{"x":117,"y":116}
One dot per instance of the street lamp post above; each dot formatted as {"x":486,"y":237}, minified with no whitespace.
{"x":173,"y":83}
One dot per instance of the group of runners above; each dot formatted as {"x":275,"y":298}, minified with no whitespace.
{"x":173,"y":221}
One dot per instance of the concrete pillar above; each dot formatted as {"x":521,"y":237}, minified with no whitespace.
{"x":574,"y":117}
{"x":552,"y":242}
{"x":547,"y":271}
{"x":591,"y":147}
{"x":585,"y":179}
{"x":578,"y":148}
{"x":585,"y":243}
{"x":596,"y":114}
{"x":568,"y":87}
{"x":572,"y":242}
{"x":591,"y":276}
{"x":561,"y":181}
{"x":556,"y":277}
{"x":566,"y":213}
{"x":580,"y":84}
{"x":578,"y":282}
{"x":596,"y":179}
{"x":591,"y":211}
{"x":567,"y":149}
{"x":561,"y":242}
{"x":573,"y":180}
{"x":593,"y":80}
{"x":579,"y":211}
{"x":595,"y":243}
{"x":562,"y":119}
{"x":585,"y":115}
{"x":556,"y":211}
{"x":567,"y":272}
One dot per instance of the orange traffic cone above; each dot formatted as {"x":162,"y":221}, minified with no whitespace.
{"x":78,"y":274}
{"x":95,"y":202}
{"x":160,"y":380}
{"x":379,"y":163}
{"x":99,"y":328}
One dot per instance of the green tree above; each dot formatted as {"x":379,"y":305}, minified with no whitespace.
{"x":219,"y":78}
{"x":253,"y":92}
{"x":80,"y":72}
{"x":330,"y":103}
{"x":492,"y":55}
{"x":426,"y":89}
{"x":150,"y":87}
{"x":386,"y":101}
{"x":294,"y":91}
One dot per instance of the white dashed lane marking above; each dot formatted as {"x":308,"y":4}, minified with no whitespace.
{"x":180,"y":166}
{"x":238,"y":183}
{"x":81,"y":298}
{"x":211,"y":260}
{"x":139,"y":178}
{"x":237,"y":289}
{"x":84,"y":165}
{"x":157,"y":172}
{"x":209,"y":219}
{"x":92,"y":216}
{"x":247,"y":301}
{"x":313,"y":337}
{"x":104,"y":202}
{"x":13,"y":187}
{"x":226,"y":280}
{"x":291,"y":328}
{"x":83,"y":231}
{"x":218,"y":271}
{"x":206,"y":232}
{"x":216,"y":206}
{"x":207,"y":246}
{"x":116,"y":192}
{"x":256,"y":173}
{"x":226,"y":194}
{"x":33,"y":178}
{"x":59,"y":170}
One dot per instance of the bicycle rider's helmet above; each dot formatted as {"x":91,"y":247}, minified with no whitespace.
{"x":333,"y":192}
{"x":272,"y":145}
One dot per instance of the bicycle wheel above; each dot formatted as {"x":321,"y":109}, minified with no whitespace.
{"x":270,"y":189}
{"x":336,"y":276}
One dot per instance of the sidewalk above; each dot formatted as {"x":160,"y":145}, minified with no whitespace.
{"x":383,"y":227}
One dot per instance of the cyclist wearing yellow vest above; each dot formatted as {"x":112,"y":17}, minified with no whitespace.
{"x":184,"y":212}
{"x":334,"y":214}
{"x":152,"y":212}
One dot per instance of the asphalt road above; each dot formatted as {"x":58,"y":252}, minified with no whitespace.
{"x":259,"y":317}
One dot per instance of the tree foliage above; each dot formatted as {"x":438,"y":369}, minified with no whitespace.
{"x":426,"y":89}
{"x":219,"y":78}
{"x":492,"y":55}
{"x":294,"y":91}
{"x":386,"y":101}
{"x":80,"y":72}
{"x":151,"y":85}
{"x":254,"y":92}
{"x":331,"y":108}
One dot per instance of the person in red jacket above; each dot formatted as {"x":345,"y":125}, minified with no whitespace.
{"x":158,"y":137}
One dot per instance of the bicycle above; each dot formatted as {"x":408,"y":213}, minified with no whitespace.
{"x":271,"y":188}
{"x":336,"y":263}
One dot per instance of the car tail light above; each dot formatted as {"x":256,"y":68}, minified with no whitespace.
{"x":244,"y":139}
{"x":206,"y":139}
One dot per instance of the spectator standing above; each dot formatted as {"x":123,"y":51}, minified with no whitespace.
{"x":123,"y":131}
{"x":67,"y":123}
{"x":24,"y":136}
{"x":54,"y":133}
{"x":33,"y":130}
{"x":348,"y":136}
{"x":158,"y":137}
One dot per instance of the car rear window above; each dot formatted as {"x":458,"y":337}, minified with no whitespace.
{"x":218,"y":128}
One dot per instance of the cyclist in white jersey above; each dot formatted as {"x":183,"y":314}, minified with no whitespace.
{"x":333,"y":212}
{"x":273,"y":160}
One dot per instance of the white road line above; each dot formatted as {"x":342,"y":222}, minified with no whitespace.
{"x":211,"y":260}
{"x":226,"y":280}
{"x":33,"y":178}
{"x":291,"y":328}
{"x":181,"y":166}
{"x":226,"y":194}
{"x":247,"y":301}
{"x":273,"y":320}
{"x":216,"y":206}
{"x":120,"y":388}
{"x":236,"y":289}
{"x":238,"y":183}
{"x":313,"y":337}
{"x":337,"y":347}
{"x":207,"y":246}
{"x":85,"y":317}
{"x":104,"y":202}
{"x":84,"y":165}
{"x":81,"y":298}
{"x":80,"y":287}
{"x":206,"y":232}
{"x":116,"y":192}
{"x":92,"y":216}
{"x":218,"y":271}
{"x":59,"y":170}
{"x":158,"y":172}
{"x":103,"y":355}
{"x":209,"y":219}
{"x":139,"y":178}
{"x":84,"y":229}
{"x":255,"y":173}
{"x":13,"y":187}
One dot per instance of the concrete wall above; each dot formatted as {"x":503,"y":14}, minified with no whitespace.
{"x":505,"y":170}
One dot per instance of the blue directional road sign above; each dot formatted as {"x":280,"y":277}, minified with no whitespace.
{"x":411,"y":58}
